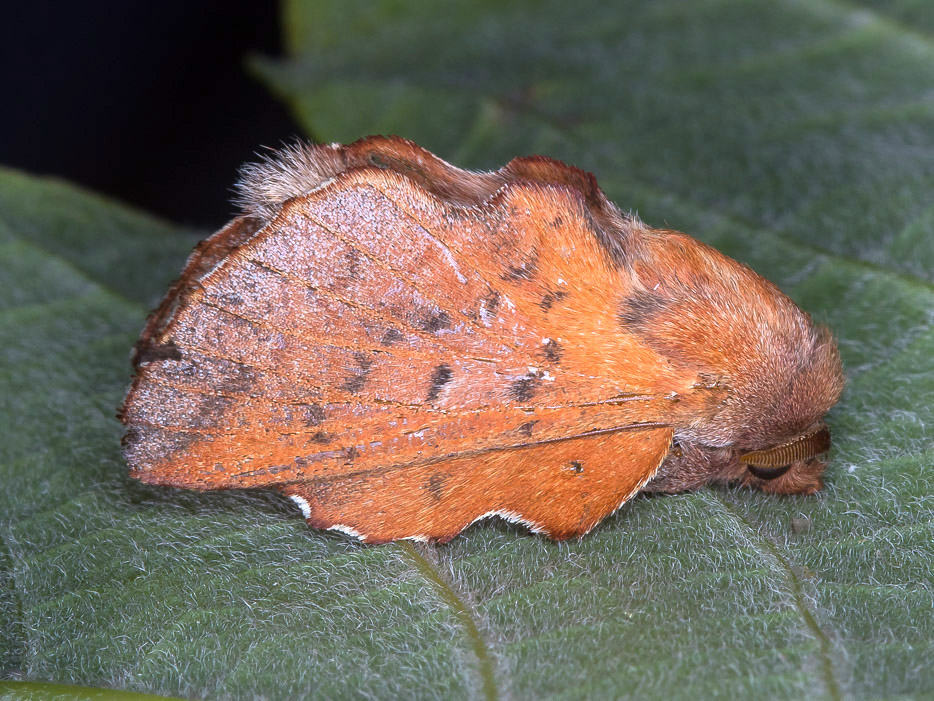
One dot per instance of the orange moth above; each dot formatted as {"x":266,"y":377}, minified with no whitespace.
{"x":404,"y":347}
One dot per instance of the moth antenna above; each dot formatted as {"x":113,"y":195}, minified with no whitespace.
{"x":803,"y":448}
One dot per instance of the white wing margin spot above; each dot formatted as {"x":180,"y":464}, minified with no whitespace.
{"x":302,"y":504}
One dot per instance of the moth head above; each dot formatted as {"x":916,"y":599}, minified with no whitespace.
{"x":782,"y":449}
{"x":795,"y":466}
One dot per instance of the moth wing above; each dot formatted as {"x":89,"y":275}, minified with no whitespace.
{"x":382,"y":321}
{"x":561,"y":489}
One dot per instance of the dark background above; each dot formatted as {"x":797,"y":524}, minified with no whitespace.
{"x":149,"y":102}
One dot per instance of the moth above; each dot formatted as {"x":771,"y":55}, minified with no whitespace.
{"x":404,"y":348}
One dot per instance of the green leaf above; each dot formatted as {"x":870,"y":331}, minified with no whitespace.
{"x":42,"y":691}
{"x":795,"y":136}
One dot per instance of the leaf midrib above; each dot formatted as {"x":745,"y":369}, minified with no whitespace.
{"x":464,"y":614}
{"x":770,"y":550}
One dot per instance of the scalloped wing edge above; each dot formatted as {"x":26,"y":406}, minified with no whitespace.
{"x":392,"y":500}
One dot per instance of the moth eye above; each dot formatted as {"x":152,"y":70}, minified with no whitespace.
{"x":768,"y":473}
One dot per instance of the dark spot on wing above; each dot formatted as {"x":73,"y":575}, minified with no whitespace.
{"x":526,"y":428}
{"x":518,"y":272}
{"x":439,"y":378}
{"x":486,"y":306}
{"x":352,"y":264}
{"x":640,"y":307}
{"x":523,"y":389}
{"x":207,"y":410}
{"x":151,"y":352}
{"x":231,"y":299}
{"x":239,"y":378}
{"x":313,"y":414}
{"x":552,"y":351}
{"x":492,"y":302}
{"x":322,"y":437}
{"x":551,"y":298}
{"x":349,"y":455}
{"x":576,"y":466}
{"x":390,"y":337}
{"x":557,"y":223}
{"x":131,"y":437}
{"x":525,"y":270}
{"x":354,"y":382}
{"x":435,"y":321}
{"x":225,"y":376}
{"x":435,"y":485}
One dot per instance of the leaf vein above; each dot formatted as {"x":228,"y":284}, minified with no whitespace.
{"x":461,"y":608}
{"x":770,"y":550}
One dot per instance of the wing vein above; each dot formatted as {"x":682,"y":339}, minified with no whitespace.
{"x":422,"y":408}
{"x":383,"y":469}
